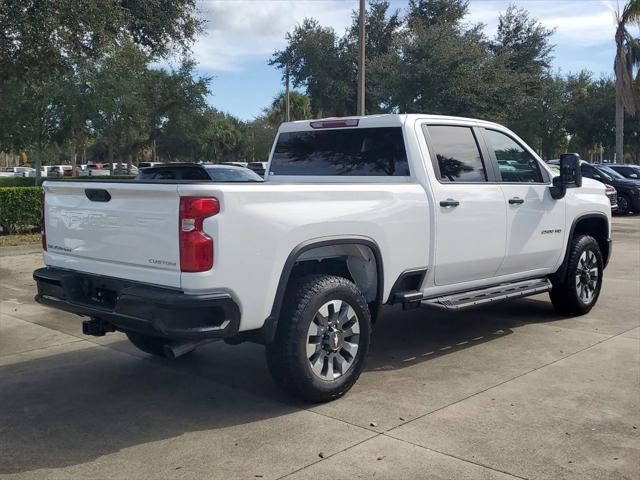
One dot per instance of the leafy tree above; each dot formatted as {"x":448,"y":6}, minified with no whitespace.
{"x":445,"y":68}
{"x":316,"y":61}
{"x":177,"y":100}
{"x":382,"y":28}
{"x":121,"y":112}
{"x":261,"y":133}
{"x":428,"y":13}
{"x":39,"y":37}
{"x":627,"y":56}
{"x":591,"y":117}
{"x":41,"y":42}
{"x":523,"y":56}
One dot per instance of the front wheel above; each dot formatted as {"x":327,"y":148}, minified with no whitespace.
{"x":322,"y":338}
{"x":578,"y":292}
{"x":624,"y":204}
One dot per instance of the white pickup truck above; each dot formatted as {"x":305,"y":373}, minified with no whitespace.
{"x":355,"y":213}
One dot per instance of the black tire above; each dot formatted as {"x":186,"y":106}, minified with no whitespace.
{"x":624,"y":204}
{"x":287,"y":356}
{"x":566,"y":292}
{"x":149,"y":344}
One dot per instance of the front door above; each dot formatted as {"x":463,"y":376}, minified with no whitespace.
{"x":535,"y":221}
{"x":470,"y":237}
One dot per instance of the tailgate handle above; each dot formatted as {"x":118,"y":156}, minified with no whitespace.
{"x":97,"y":194}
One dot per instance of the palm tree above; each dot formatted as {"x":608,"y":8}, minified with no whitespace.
{"x":300,"y":108}
{"x":627,"y":55}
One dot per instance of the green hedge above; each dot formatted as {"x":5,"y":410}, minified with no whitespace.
{"x":19,"y":209}
{"x":30,"y":182}
{"x":17,"y":182}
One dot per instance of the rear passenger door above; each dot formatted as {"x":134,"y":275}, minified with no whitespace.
{"x":471,"y":222}
{"x":535,"y":220}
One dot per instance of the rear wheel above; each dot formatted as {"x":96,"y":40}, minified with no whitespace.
{"x":148,"y":343}
{"x":578,"y":292}
{"x":322,"y":338}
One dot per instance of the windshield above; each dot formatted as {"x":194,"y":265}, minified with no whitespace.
{"x":233,"y":175}
{"x":609,"y":173}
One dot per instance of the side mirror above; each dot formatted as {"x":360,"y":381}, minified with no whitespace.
{"x":633,"y":175}
{"x":570,"y":172}
{"x":570,"y":175}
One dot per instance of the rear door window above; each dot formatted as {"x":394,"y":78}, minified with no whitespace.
{"x":344,"y":152}
{"x":457,"y":154}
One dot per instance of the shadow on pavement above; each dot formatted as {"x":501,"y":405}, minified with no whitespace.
{"x":73,"y":407}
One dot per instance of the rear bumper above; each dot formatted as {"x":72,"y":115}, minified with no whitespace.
{"x":132,"y":306}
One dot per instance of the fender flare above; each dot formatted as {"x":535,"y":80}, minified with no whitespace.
{"x":268,"y":330}
{"x":560,"y":273}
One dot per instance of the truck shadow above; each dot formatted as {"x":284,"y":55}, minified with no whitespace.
{"x":75,"y":406}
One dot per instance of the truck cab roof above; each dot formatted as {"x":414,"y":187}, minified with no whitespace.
{"x":373,"y":121}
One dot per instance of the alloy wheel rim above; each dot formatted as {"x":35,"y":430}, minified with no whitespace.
{"x":622,"y":204}
{"x":587,"y":276}
{"x":333,"y":340}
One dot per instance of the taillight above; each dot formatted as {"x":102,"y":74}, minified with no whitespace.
{"x":43,"y":232}
{"x":196,"y":248}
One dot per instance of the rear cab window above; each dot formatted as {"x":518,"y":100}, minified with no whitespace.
{"x":345,"y":152}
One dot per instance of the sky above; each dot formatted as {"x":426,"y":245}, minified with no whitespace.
{"x":241,"y":35}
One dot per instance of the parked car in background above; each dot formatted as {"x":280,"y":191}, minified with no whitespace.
{"x":236,"y":164}
{"x":196,"y":171}
{"x":259,"y":167}
{"x":610,"y":191}
{"x":631,"y":172}
{"x":612,"y":195}
{"x":60,"y":171}
{"x":95,"y":170}
{"x":16,"y":171}
{"x":122,"y":169}
{"x":628,"y":189}
{"x":149,"y":164}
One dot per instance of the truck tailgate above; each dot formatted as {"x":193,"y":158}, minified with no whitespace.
{"x":124,"y":230}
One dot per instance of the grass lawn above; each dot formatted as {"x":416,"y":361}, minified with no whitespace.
{"x":24,"y":239}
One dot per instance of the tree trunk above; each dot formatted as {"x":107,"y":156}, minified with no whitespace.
{"x":74,"y":156}
{"x":619,"y":128}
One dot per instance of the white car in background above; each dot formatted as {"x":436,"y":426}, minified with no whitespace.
{"x":94,"y":170}
{"x":16,"y":171}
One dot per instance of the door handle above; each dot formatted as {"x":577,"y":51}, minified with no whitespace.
{"x":449,"y":202}
{"x":516,"y":201}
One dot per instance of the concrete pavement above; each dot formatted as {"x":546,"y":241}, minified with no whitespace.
{"x":506,"y":391}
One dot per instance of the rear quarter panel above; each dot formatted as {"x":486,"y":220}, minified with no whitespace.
{"x":259,"y":225}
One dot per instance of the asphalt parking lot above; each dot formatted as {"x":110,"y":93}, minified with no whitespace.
{"x":507,"y":391}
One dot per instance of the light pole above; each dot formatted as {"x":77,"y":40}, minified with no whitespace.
{"x":361,"y":37}
{"x":287,"y":99}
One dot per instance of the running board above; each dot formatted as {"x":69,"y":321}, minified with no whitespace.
{"x":474,"y":298}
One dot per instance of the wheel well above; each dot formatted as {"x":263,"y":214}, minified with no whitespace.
{"x":596,"y":227}
{"x":358,"y":260}
{"x":355,"y":262}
